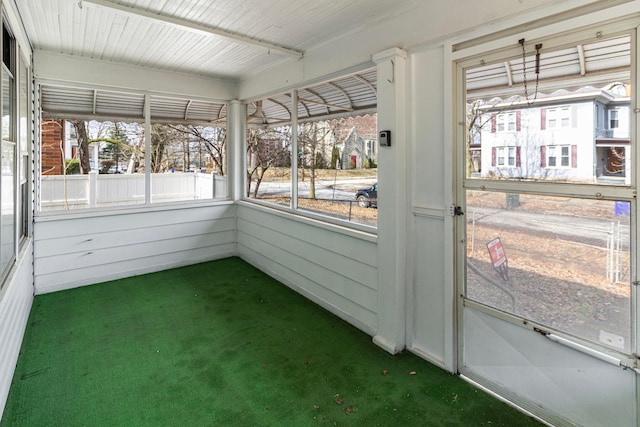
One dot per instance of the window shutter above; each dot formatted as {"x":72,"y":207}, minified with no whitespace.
{"x":518,"y":156}
{"x":493,"y":123}
{"x":543,"y":118}
{"x":493,"y":156}
{"x":543,"y":156}
{"x":574,"y":156}
{"x":518,"y":122}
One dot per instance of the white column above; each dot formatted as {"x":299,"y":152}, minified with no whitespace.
{"x":93,"y":188}
{"x":96,"y":154}
{"x":236,"y":149}
{"x":147,"y":149}
{"x":294,"y":149}
{"x":393,"y":167}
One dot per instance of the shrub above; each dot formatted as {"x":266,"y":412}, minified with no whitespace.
{"x":72,"y":166}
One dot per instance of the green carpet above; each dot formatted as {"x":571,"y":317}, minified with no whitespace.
{"x":222,"y":344}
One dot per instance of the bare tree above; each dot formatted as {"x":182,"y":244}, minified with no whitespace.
{"x":265,"y":148}
{"x":314,"y":138}
{"x":213,"y":139}
{"x":83,"y":145}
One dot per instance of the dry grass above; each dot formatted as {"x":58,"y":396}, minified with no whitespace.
{"x":347,"y":210}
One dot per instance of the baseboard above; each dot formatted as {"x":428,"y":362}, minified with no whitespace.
{"x":387,"y":345}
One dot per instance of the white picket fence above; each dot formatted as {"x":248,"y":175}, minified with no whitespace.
{"x":101,"y":190}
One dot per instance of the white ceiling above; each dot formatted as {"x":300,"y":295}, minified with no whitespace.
{"x":185,"y":35}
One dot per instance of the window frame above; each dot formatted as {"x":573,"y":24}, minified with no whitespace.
{"x":560,"y":156}
{"x":506,"y":152}
{"x":8,"y":69}
{"x":146,"y":116}
{"x":612,"y":112}
{"x":557,"y":116}
{"x":293,"y":207}
{"x":464,"y":61}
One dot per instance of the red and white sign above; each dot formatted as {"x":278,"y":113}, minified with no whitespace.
{"x":496,"y":252}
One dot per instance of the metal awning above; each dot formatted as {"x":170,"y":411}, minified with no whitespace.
{"x":61,"y":102}
{"x":347,"y":96}
{"x":593,"y":64}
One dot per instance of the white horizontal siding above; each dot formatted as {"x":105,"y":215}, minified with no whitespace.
{"x":75,"y":251}
{"x":15,"y":305}
{"x":332,"y":268}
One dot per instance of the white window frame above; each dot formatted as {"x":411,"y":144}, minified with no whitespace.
{"x":506,"y":122}
{"x":559,"y":117}
{"x":614,"y":112}
{"x":561,"y":189}
{"x":506,"y":156}
{"x":555,"y":152}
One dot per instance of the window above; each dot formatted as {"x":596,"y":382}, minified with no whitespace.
{"x":558,"y":117}
{"x":15,"y":175}
{"x":558,"y":156}
{"x":324,"y":164}
{"x":548,"y":276}
{"x":506,"y":122}
{"x":614,"y":120}
{"x":25,"y":149}
{"x":102,"y":163}
{"x":506,"y":156}
{"x":8,"y":149}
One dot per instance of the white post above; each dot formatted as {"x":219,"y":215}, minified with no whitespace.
{"x":618,"y":252}
{"x":236,"y":142}
{"x":473,"y":232}
{"x":391,"y":333}
{"x":147,"y":149}
{"x":92,"y":189}
{"x":610,"y":240}
{"x":213,"y":185}
{"x":294,"y":149}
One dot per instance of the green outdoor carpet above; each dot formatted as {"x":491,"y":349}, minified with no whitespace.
{"x":222,"y":344}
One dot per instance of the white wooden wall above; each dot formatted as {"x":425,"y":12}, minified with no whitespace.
{"x":81,"y":249}
{"x":16,"y":297}
{"x":430,"y":308}
{"x":333,"y":267}
{"x":15,"y":304}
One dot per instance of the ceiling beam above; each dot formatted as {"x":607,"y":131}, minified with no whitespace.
{"x":195,"y":27}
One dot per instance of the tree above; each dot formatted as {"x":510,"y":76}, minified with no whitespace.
{"x":314,"y":138}
{"x":114,"y":150}
{"x":83,"y":145}
{"x":212,"y":139}
{"x":160,"y":137}
{"x":265,"y":148}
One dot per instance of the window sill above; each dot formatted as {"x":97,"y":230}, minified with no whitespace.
{"x":54,"y":215}
{"x":361,"y":231}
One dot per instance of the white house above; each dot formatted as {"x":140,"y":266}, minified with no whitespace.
{"x":578,"y":137}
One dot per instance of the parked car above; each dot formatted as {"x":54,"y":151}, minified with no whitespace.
{"x":117,"y":169}
{"x":368,"y":196}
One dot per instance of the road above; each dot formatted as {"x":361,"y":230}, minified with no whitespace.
{"x":344,"y":189}
{"x":575,"y":228}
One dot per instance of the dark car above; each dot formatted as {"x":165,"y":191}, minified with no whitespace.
{"x":368,"y":196}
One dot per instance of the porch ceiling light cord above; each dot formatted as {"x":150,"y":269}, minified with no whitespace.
{"x":524,"y":71}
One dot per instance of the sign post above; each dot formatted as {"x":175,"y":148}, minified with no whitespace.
{"x":499,"y":258}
